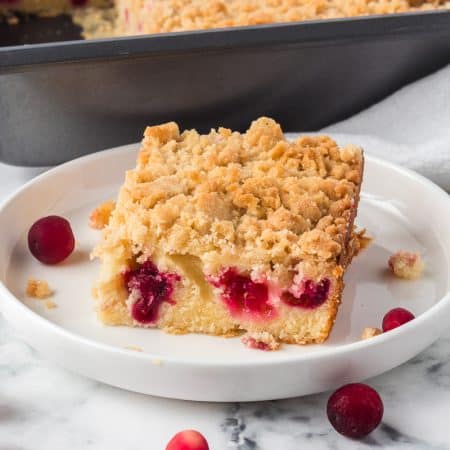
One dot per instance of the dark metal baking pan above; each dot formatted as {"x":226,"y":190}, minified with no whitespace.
{"x":60,"y":100}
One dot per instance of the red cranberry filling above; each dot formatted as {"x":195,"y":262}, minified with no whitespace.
{"x":244,"y":297}
{"x":312,"y":294}
{"x":153,"y":288}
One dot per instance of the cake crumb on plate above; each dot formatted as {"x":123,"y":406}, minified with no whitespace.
{"x":38,"y":289}
{"x":99,"y":217}
{"x":370,"y":332}
{"x":260,"y":341}
{"x":134,"y":348}
{"x":407,"y":265}
{"x":49,"y":304}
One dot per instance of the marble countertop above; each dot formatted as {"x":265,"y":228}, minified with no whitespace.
{"x":43,"y":407}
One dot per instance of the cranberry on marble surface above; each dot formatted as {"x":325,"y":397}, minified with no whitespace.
{"x":188,"y":440}
{"x":355,"y":410}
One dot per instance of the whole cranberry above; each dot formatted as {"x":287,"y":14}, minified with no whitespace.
{"x":396,"y":317}
{"x":188,"y":440}
{"x":355,"y":410}
{"x":51,"y":239}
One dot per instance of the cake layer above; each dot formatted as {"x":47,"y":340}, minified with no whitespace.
{"x":157,"y":16}
{"x":229,"y":232}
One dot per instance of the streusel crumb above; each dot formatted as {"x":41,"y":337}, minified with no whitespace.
{"x":38,"y":289}
{"x":370,"y":332}
{"x":406,"y":265}
{"x":99,"y":218}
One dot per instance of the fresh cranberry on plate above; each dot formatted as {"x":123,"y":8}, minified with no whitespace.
{"x":51,"y":239}
{"x":396,"y":317}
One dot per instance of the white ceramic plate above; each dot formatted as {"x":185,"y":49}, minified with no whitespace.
{"x":400,"y":209}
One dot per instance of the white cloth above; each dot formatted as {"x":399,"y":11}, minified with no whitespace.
{"x":410,"y":128}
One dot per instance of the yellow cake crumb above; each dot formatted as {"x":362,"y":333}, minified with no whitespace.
{"x":406,"y":265}
{"x":38,"y":289}
{"x":157,"y":362}
{"x":261,"y":341}
{"x":99,"y":218}
{"x":49,"y":304}
{"x":370,"y":332}
{"x":134,"y":348}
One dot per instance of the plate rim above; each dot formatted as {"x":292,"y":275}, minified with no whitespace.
{"x":338,"y":351}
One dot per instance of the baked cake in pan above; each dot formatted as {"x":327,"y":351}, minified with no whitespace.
{"x":228,"y":233}
{"x":111,"y":18}
{"x":158,"y":16}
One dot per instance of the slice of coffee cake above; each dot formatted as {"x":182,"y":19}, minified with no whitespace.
{"x":227,"y":232}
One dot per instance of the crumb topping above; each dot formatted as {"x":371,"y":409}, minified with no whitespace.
{"x":100,"y":216}
{"x":38,"y":289}
{"x":406,"y":265}
{"x":105,"y":18}
{"x":252,"y":198}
